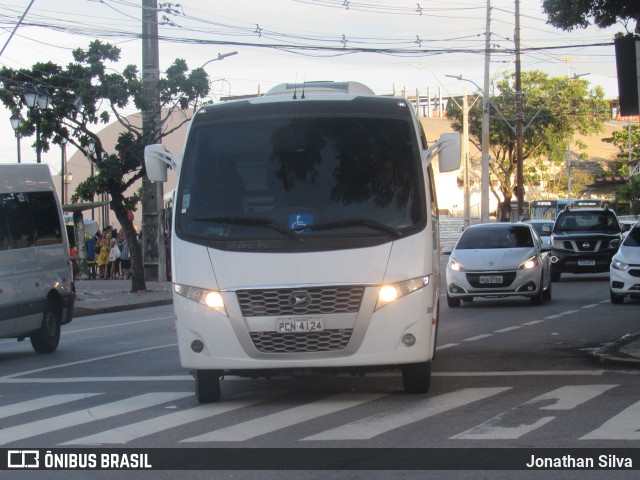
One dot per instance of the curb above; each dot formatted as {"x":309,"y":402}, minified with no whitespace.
{"x":86,"y":311}
{"x":612,"y":353}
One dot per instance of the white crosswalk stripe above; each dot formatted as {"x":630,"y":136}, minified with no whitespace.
{"x":100,"y":412}
{"x":624,"y":426}
{"x":145,"y":428}
{"x":285,"y":418}
{"x":378,"y":424}
{"x":40,"y":403}
{"x":508,"y":426}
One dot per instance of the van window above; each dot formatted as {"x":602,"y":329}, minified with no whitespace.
{"x":28,"y":219}
{"x":299,"y":179}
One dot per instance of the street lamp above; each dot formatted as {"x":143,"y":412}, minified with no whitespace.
{"x":15,"y":124}
{"x":37,"y":100}
{"x":221,"y":56}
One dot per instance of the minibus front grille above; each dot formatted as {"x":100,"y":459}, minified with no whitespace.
{"x":300,"y":301}
{"x":325,"y":341}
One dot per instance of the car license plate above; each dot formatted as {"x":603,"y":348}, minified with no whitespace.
{"x":586,"y":263}
{"x":300,"y":325}
{"x":490,"y":279}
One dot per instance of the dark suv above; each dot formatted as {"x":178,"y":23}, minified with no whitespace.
{"x":581,"y":241}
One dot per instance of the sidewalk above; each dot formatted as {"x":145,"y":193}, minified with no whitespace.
{"x":104,"y":296}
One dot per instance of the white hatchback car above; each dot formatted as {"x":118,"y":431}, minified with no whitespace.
{"x":499,"y":260}
{"x":624,"y":275}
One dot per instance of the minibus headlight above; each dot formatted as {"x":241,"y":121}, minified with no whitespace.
{"x":390,"y":293}
{"x":208,"y":298}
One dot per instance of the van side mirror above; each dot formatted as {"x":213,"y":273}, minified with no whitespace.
{"x":449,"y":152}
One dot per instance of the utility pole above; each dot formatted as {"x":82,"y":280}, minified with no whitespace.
{"x":519,"y":119}
{"x":485,"y":177}
{"x":465,"y":157}
{"x":153,"y":241}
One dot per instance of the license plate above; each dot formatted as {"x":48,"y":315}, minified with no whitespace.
{"x":586,"y":263}
{"x":490,"y":279}
{"x":300,"y":325}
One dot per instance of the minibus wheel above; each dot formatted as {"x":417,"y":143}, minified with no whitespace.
{"x":416,"y":377}
{"x":47,"y":337}
{"x":207,"y":385}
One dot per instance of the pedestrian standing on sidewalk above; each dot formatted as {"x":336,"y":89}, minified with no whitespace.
{"x":125,"y":259}
{"x":114,"y":255}
{"x":103,"y":257}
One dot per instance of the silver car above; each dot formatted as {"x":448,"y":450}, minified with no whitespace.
{"x":543,"y":229}
{"x":499,"y":260}
{"x":624,"y":273}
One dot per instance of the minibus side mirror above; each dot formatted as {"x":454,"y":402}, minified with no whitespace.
{"x":449,"y":151}
{"x":156,"y":160}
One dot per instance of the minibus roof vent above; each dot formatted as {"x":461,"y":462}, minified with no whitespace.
{"x":349,"y":88}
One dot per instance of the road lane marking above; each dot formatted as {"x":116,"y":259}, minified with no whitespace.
{"x":590,"y":305}
{"x":40,"y":403}
{"x":533,"y":322}
{"x":508,"y":425}
{"x":80,"y":417}
{"x":369,"y":427}
{"x":478,"y":337}
{"x":88,"y":360}
{"x":448,"y":345}
{"x":624,"y":426}
{"x":69,"y":332}
{"x":286,"y":418}
{"x":568,"y":312}
{"x":508,"y":329}
{"x":552,"y":317}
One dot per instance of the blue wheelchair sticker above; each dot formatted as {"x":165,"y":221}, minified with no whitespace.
{"x":299,"y":220}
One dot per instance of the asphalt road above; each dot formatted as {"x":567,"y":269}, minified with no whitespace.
{"x":507,"y":374}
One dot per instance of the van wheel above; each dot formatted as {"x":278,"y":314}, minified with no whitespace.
{"x":416,"y":377}
{"x":207,"y":385}
{"x":47,"y":337}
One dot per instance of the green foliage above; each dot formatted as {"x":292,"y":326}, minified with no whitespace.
{"x":554,"y":109}
{"x":630,"y":192}
{"x":620,"y":139}
{"x":571,"y":14}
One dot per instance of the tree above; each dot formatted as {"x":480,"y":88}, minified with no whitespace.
{"x":630,"y":192}
{"x":554,"y":109}
{"x":569,"y":15}
{"x":86,"y":93}
{"x":628,"y":142}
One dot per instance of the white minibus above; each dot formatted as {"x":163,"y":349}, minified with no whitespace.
{"x":36,"y":280}
{"x":305,"y":236}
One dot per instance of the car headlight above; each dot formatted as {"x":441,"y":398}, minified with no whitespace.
{"x":619,"y":265}
{"x":530,"y":263}
{"x":392,"y":292}
{"x":209,"y":298}
{"x":455,"y":266}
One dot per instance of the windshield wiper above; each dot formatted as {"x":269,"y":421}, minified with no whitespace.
{"x":355,"y":222}
{"x":253,"y":222}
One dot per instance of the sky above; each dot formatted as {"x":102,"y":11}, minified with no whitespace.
{"x":390,"y":45}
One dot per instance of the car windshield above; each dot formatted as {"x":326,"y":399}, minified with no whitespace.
{"x":633,"y":238}
{"x":495,"y":237}
{"x":302,"y":178}
{"x":576,"y":220}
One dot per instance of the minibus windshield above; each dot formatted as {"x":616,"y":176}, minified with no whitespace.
{"x":301,"y":179}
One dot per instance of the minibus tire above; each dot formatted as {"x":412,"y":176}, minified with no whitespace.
{"x":416,"y":377}
{"x":207,"y":385}
{"x":47,"y":337}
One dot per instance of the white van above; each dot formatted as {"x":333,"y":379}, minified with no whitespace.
{"x":36,"y":282}
{"x":305,"y":236}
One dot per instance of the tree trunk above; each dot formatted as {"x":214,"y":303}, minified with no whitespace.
{"x":137,"y":271}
